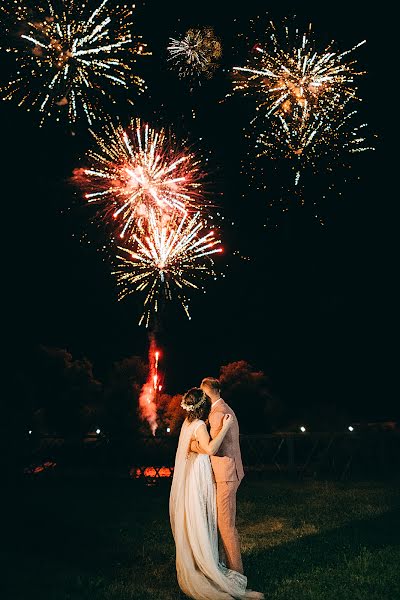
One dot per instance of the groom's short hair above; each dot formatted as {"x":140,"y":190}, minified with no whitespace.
{"x":213,"y":383}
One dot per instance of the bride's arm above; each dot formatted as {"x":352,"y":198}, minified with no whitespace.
{"x":209,"y":446}
{"x":195,"y":447}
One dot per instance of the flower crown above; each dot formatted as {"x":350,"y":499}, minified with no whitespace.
{"x":191,"y":407}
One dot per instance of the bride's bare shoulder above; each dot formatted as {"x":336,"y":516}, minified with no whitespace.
{"x":197,"y":424}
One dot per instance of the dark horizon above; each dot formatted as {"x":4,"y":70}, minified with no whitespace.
{"x":315,"y":308}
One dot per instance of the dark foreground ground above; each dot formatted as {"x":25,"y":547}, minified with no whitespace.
{"x":75,"y":539}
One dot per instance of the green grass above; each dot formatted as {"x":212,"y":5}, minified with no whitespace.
{"x":78,"y":540}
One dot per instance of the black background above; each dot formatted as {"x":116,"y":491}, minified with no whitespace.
{"x":315,"y":307}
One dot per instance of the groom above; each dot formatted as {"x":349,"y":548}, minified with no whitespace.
{"x":228,"y":471}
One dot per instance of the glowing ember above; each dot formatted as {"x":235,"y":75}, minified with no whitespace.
{"x":151,"y":472}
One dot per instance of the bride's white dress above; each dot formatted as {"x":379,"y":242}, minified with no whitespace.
{"x":193,"y":515}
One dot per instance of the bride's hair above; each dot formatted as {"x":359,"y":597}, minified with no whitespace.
{"x":197,"y":404}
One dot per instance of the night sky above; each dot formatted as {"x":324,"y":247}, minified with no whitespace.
{"x":315,"y":308}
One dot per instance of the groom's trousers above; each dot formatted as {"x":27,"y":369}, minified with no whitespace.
{"x":226,"y":515}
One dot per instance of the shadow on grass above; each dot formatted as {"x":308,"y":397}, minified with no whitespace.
{"x":327,"y":549}
{"x":105,"y":542}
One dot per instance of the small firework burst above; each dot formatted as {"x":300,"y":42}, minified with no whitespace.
{"x":138,"y":171}
{"x":290,"y":74}
{"x":68,"y":54}
{"x":195,"y":55}
{"x":172,"y":258}
{"x":312,"y":137}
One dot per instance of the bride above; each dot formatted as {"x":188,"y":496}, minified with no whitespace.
{"x":193,"y":511}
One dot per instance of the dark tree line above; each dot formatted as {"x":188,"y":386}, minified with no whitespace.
{"x":55,"y":393}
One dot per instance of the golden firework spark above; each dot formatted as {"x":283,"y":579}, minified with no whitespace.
{"x":69,"y":54}
{"x":293,"y":75}
{"x":305,"y":98}
{"x":172,"y":258}
{"x":196,"y":54}
{"x":311,"y":137}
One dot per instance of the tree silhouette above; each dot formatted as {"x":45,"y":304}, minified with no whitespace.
{"x":248,"y":392}
{"x":67,"y":395}
{"x":122,"y":389}
{"x":170,"y":413}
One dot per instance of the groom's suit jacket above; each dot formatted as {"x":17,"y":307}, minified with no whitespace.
{"x":227,"y":463}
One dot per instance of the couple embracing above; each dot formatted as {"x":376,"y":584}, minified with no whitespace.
{"x":203,"y":499}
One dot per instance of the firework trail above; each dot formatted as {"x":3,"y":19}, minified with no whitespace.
{"x":149,"y":391}
{"x":196,"y":54}
{"x":68,"y":53}
{"x":138,"y":171}
{"x":156,"y":378}
{"x":172,"y":258}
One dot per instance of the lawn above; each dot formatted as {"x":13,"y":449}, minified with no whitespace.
{"x":69,"y":539}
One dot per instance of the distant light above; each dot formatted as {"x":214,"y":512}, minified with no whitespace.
{"x":30,"y":431}
{"x":159,"y":388}
{"x":168,"y":430}
{"x":302,"y":429}
{"x":350,"y":428}
{"x":98,"y":431}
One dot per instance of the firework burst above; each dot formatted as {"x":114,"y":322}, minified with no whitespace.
{"x":291,"y":75}
{"x":171,"y":259}
{"x":195,"y":55}
{"x":312,"y":137}
{"x":137,"y":171}
{"x":304,"y":99}
{"x":68,"y":53}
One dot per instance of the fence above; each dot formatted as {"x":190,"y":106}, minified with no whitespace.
{"x":297,"y":456}
{"x":317,"y":455}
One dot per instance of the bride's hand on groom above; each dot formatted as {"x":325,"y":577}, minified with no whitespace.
{"x":195,"y":447}
{"x":227,"y":422}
